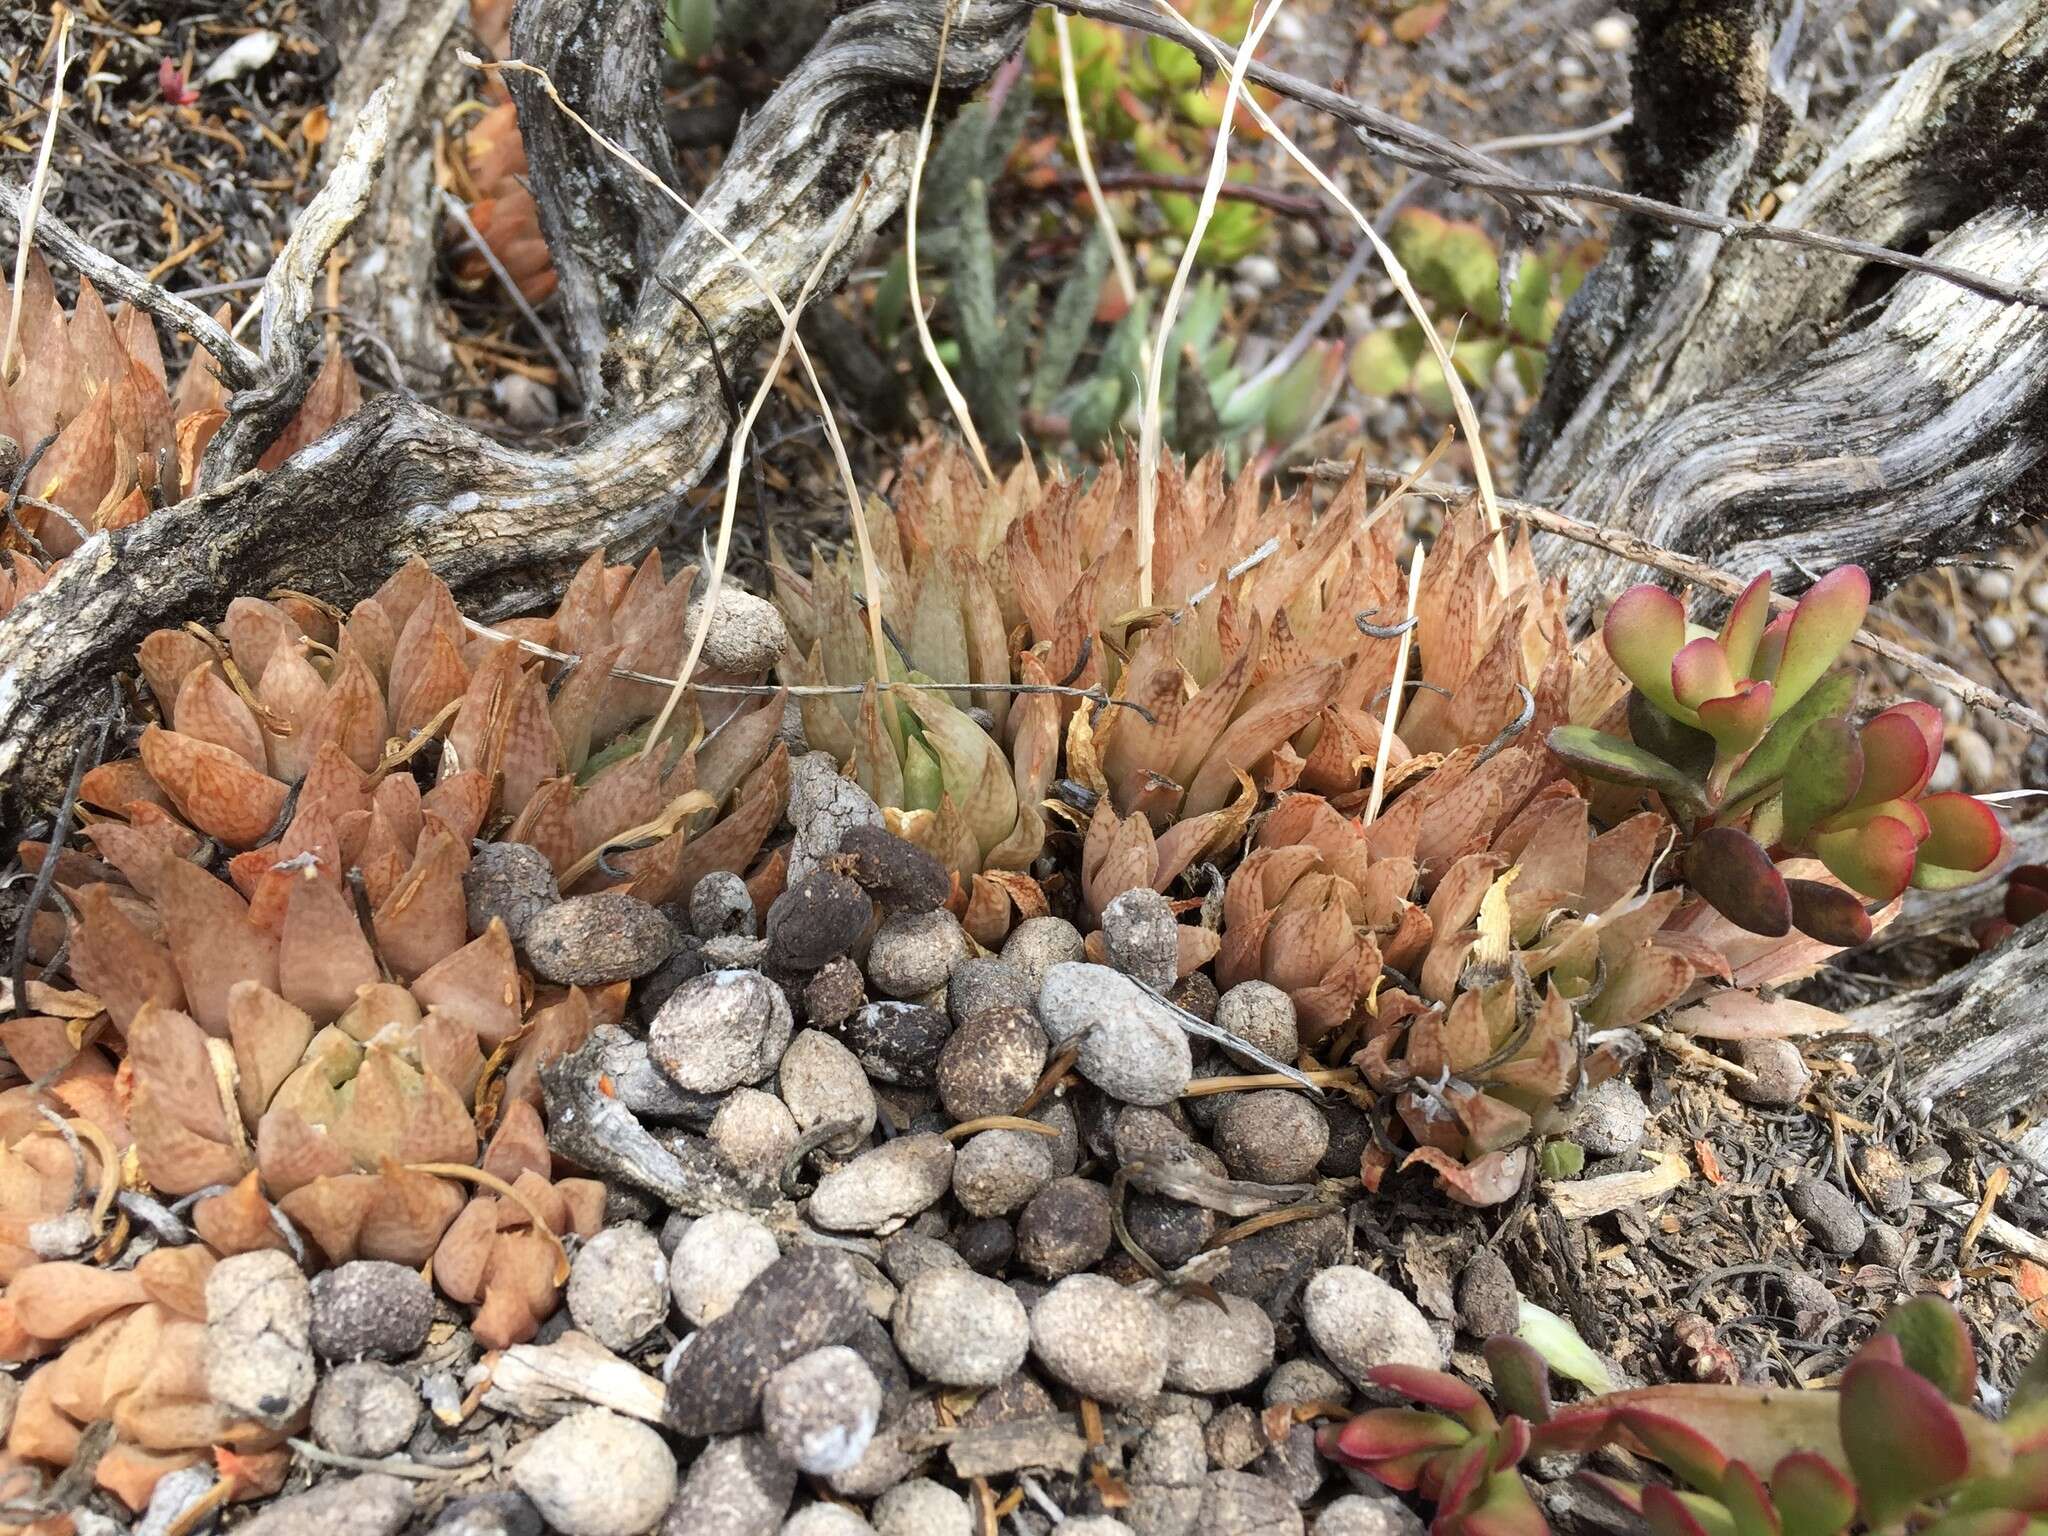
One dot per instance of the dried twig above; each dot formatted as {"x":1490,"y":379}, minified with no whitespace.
{"x":1641,"y":551}
{"x":39,"y":184}
{"x":90,"y":751}
{"x":1386,"y":747}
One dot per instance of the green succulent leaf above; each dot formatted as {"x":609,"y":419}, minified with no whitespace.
{"x":1902,"y":1437}
{"x":1558,"y":1342}
{"x":1521,"y":1376}
{"x":1965,"y":842}
{"x":1823,"y":624}
{"x":1768,"y":761}
{"x":1812,"y":1495}
{"x":1383,"y":362}
{"x":1073,"y":318}
{"x":1935,"y":1341}
{"x":1748,"y":1502}
{"x":1643,"y":631}
{"x":1623,"y":762}
{"x":1822,"y":777}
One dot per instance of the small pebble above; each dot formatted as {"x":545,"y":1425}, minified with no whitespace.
{"x":1884,"y":1245}
{"x":818,"y":919}
{"x":991,"y":1063}
{"x":832,"y":996}
{"x":1066,"y":1228}
{"x":898,"y":1043}
{"x":1885,"y":1179}
{"x":988,"y":1245}
{"x":1947,"y":775}
{"x":748,"y":637}
{"x":1215,"y":1352}
{"x":1132,"y":1045}
{"x":1234,"y":1438}
{"x":1302,"y":1380}
{"x":1613,"y":33}
{"x":1997,"y":633}
{"x":365,"y":1409}
{"x":1260,"y":1014}
{"x":1092,"y":1525}
{"x":1141,"y":937}
{"x":959,"y":1328}
{"x":715,"y":1260}
{"x":590,"y":941}
{"x":985,"y":982}
{"x":824,"y":1519}
{"x":1782,"y":1077}
{"x":884,"y":1186}
{"x":1167,"y":1477}
{"x":2037,"y":596}
{"x":754,"y":1133}
{"x":1295,"y":1464}
{"x":913,"y":953}
{"x":721,"y":907}
{"x":824,"y":806}
{"x":1359,"y":1321}
{"x":737,"y":1486}
{"x":1610,"y":1119}
{"x":1358,"y":1514}
{"x":807,"y":1300}
{"x":509,"y":881}
{"x":1828,"y":1214}
{"x":996,"y":1172}
{"x":721,"y":1030}
{"x":375,"y":1504}
{"x":498,"y":1512}
{"x":597,"y":1473}
{"x":1993,"y":586}
{"x":259,"y":1353}
{"x":618,"y":1286}
{"x":1038,"y":944}
{"x":906,"y":1255}
{"x":822,"y":1083}
{"x":1975,"y":757}
{"x":1489,"y":1302}
{"x":1102,"y":1340}
{"x":900,"y":875}
{"x":820,"y":1410}
{"x":922,"y":1507}
{"x":1239,"y":1504}
{"x":370,"y":1309}
{"x":1272,"y":1136}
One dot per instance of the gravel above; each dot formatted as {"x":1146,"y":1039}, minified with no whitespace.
{"x":1272,"y":1136}
{"x":996,"y":1172}
{"x":737,"y":1486}
{"x":1038,"y":944}
{"x":1067,"y":1227}
{"x":808,"y":1299}
{"x":1214,"y":1352}
{"x":589,"y":941}
{"x":511,"y":882}
{"x":1132,"y":1045}
{"x":960,"y":1328}
{"x":816,"y":920}
{"x":922,"y":1507}
{"x":754,"y":1134}
{"x":259,"y":1353}
{"x":1141,"y":937}
{"x":898,"y":1043}
{"x":898,"y":874}
{"x":1302,"y":1380}
{"x":715,"y":1260}
{"x":500,"y":1512}
{"x":720,"y":1030}
{"x":822,"y":1083}
{"x":1358,"y":1514}
{"x":1240,"y":1504}
{"x":1611,"y":1119}
{"x":1168,"y":1473}
{"x":365,"y":1409}
{"x":372,"y":1505}
{"x":914,"y":953}
{"x":985,"y":982}
{"x":370,"y":1309}
{"x":598,"y":1473}
{"x":823,"y":806}
{"x":618,"y":1286}
{"x":1828,"y":1214}
{"x":823,"y":1519}
{"x":884,"y":1186}
{"x":1489,"y":1301}
{"x":1359,"y":1321}
{"x":820,"y":1411}
{"x":991,"y":1062}
{"x":1102,"y":1340}
{"x":721,"y":907}
{"x":1782,"y":1077}
{"x":1260,"y":1014}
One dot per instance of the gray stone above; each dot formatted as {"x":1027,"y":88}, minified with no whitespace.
{"x":822,"y":1519}
{"x":1141,"y":937}
{"x":1132,"y":1046}
{"x":922,"y":1507}
{"x":1272,"y":1136}
{"x":985,"y":982}
{"x":175,"y":1492}
{"x":906,"y":1255}
{"x":898,"y":1043}
{"x":832,"y":996}
{"x":747,"y":633}
{"x":992,"y":1062}
{"x":884,"y":1186}
{"x":642,"y":1086}
{"x":1239,"y":1504}
{"x":891,"y":1457}
{"x":1215,"y":1352}
{"x":721,"y":1030}
{"x":816,"y":920}
{"x":1489,"y":1301}
{"x":1302,"y":1380}
{"x":259,"y":1352}
{"x":715,"y":1261}
{"x":1264,"y":1262}
{"x":1260,"y":1014}
{"x":499,"y":1512}
{"x":1358,"y":1514}
{"x":820,"y":1410}
{"x":370,"y":1309}
{"x":1102,"y":1340}
{"x":737,"y":1486}
{"x":598,"y":1473}
{"x":1234,"y":1437}
{"x":822,"y":1083}
{"x":900,"y":875}
{"x":1611,"y":1119}
{"x":961,"y":1329}
{"x":1883,"y":1244}
{"x":721,"y":907}
{"x":1038,"y":944}
{"x":1092,"y":1525}
{"x":1359,"y":1321}
{"x":1168,"y":1475}
{"x":1066,"y":1228}
{"x":591,"y":941}
{"x":1885,"y":1179}
{"x":618,"y":1286}
{"x":807,"y":1300}
{"x":754,"y":1133}
{"x":511,"y":882}
{"x":823,"y":805}
{"x":914,"y":953}
{"x":1294,"y":1464}
{"x":1781,"y":1077}
{"x":372,"y":1505}
{"x":997,"y":1171}
{"x":365,"y":1409}
{"x":1828,"y":1214}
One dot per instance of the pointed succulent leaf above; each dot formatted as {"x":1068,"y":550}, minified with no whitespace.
{"x":1935,"y":1341}
{"x":1685,"y":747}
{"x":1744,"y":626}
{"x":1898,"y":754}
{"x":1521,"y":1378}
{"x":1622,"y":762}
{"x":1748,"y":1502}
{"x":1436,"y":1389}
{"x":1965,"y":842}
{"x":1738,"y":721}
{"x":1731,"y":871}
{"x":1679,"y":1446}
{"x":1903,"y":1439}
{"x":1822,"y":777}
{"x":1812,"y":1495}
{"x":1774,"y":755}
{"x":1825,"y":621}
{"x":1670,"y":1513}
{"x":1381,"y":1435}
{"x":1643,"y":632}
{"x":1503,"y":1507}
{"x":1558,"y":1342}
{"x":1066,"y":329}
{"x":1828,"y":913}
{"x":1700,"y":672}
{"x":1875,"y":859}
{"x":1770,"y":647}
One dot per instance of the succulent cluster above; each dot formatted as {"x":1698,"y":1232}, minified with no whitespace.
{"x":1897,"y":1445}
{"x":1741,"y":735}
{"x":117,"y":438}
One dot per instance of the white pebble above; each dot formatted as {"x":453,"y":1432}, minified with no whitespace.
{"x":1613,"y":33}
{"x":715,"y":1260}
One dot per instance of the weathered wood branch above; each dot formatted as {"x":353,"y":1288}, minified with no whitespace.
{"x":506,"y":526}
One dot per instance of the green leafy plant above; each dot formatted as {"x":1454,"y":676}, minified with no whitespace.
{"x":1740,"y":733}
{"x":1456,"y":265}
{"x":1897,"y":1446}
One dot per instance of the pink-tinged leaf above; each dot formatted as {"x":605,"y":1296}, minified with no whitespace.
{"x":1875,"y":859}
{"x":1828,"y":913}
{"x":1503,"y":1507}
{"x":1770,"y":648}
{"x":1965,"y":841}
{"x":1643,"y":632}
{"x":1982,"y":1522}
{"x":1668,"y":1513}
{"x":1482,"y":1182}
{"x":1822,"y":776}
{"x":1737,"y":879}
{"x":1521,"y":1378}
{"x":1700,"y":672}
{"x":1511,"y":1442}
{"x":1903,"y":1439}
{"x":1825,"y":621}
{"x":1628,"y":1495}
{"x":1738,"y":721}
{"x":1752,"y":1424}
{"x":1906,"y":813}
{"x":1682,"y":1448}
{"x":1745,"y":625}
{"x":1813,"y":1498}
{"x":1461,"y":1476}
{"x":1935,"y":1341}
{"x":1748,"y":1502}
{"x":1435,"y":1389}
{"x":1735,"y":1014}
{"x":1387,"y":1434}
{"x":1898,"y":757}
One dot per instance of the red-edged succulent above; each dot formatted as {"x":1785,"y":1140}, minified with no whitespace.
{"x":1740,"y":733}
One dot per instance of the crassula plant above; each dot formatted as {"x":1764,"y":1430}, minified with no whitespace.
{"x":1896,"y":1446}
{"x":1743,"y":734}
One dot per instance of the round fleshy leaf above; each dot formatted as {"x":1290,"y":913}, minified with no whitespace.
{"x":1521,"y":1378}
{"x":1643,"y":632}
{"x":1875,"y":859}
{"x":1813,"y":1497}
{"x":1825,"y":621}
{"x":1738,"y":721}
{"x":1746,"y":1499}
{"x":1828,"y":913}
{"x":1964,"y":838}
{"x":1822,"y":776}
{"x":2026,"y":893}
{"x":1669,"y":1513}
{"x":1622,"y":762}
{"x":1898,"y":758}
{"x":1737,"y":879}
{"x":1700,"y":672}
{"x":1745,"y":625}
{"x":1503,"y":1507}
{"x":1368,"y":1440}
{"x":1679,"y":1446}
{"x":1935,"y":1341}
{"x":1903,"y":1440}
{"x":1435,"y":1389}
